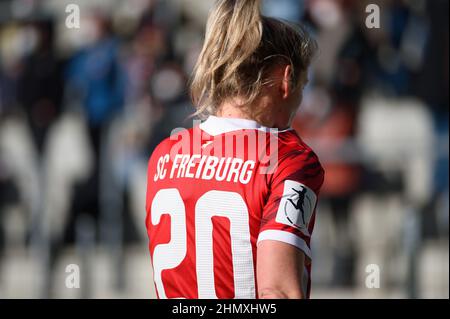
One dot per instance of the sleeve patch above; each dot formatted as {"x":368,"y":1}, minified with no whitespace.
{"x":296,"y":206}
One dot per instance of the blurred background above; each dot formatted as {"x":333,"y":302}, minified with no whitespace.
{"x":81,"y":110}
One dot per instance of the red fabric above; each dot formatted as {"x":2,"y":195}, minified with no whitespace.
{"x":296,"y":161}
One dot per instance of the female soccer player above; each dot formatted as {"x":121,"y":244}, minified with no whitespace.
{"x":231,"y":202}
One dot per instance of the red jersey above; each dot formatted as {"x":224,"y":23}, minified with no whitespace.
{"x":214,"y":192}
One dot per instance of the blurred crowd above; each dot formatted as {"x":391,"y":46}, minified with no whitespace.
{"x":81,"y":110}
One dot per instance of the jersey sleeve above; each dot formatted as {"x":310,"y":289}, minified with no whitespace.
{"x":289,"y":213}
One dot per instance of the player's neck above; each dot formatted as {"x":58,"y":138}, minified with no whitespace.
{"x":235,"y":110}
{"x":232,"y":110}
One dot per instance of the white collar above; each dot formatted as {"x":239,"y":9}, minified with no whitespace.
{"x":219,"y":125}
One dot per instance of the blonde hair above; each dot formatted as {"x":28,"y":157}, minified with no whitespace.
{"x":240,"y":49}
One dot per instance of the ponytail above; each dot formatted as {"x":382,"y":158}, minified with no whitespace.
{"x":234,"y":60}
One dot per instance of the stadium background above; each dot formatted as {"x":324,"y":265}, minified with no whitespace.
{"x":82,"y":109}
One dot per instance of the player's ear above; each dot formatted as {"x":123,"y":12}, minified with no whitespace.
{"x":286,"y":81}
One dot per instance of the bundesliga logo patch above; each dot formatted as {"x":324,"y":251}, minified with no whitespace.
{"x":296,"y":205}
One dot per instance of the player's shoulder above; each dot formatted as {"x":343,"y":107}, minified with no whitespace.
{"x":291,"y":145}
{"x":161,"y":148}
{"x":297,"y":160}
